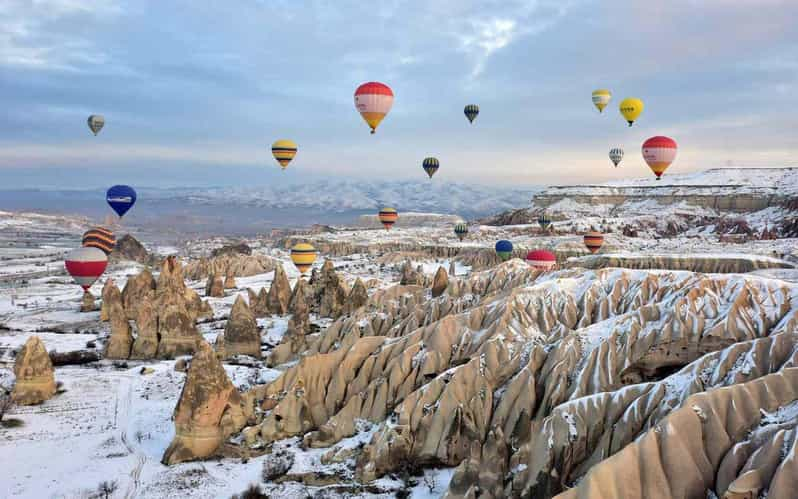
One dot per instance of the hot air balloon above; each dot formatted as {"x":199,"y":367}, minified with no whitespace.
{"x":121,"y":198}
{"x":373,"y":101}
{"x":471,"y":111}
{"x":303,"y":255}
{"x":96,"y":123}
{"x":541,"y":259}
{"x":504,"y":249}
{"x":86,"y":265}
{"x":284,"y":151}
{"x":388,"y":217}
{"x":601,"y":98}
{"x":593,"y":241}
{"x":616,"y":155}
{"x":544,"y":221}
{"x":430,"y":166}
{"x":659,"y":152}
{"x":461,"y":230}
{"x":631,"y":108}
{"x":100,"y":238}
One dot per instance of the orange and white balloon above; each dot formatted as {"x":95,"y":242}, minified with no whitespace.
{"x":659,"y":152}
{"x":373,"y":101}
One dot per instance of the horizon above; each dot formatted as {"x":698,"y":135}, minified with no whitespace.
{"x":191,"y":96}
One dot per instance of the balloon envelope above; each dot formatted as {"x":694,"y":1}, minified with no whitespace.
{"x":121,"y":198}
{"x":504,"y":249}
{"x":460,"y":230}
{"x":373,"y":101}
{"x":388,"y":217}
{"x":100,"y":238}
{"x":631,"y":108}
{"x":541,"y":259}
{"x":471,"y":111}
{"x":616,"y":155}
{"x":96,"y":123}
{"x":284,"y":151}
{"x":544,"y":221}
{"x":659,"y":152}
{"x":593,"y":241}
{"x":431,"y":166}
{"x":303,"y":255}
{"x":86,"y":265}
{"x":601,"y":98}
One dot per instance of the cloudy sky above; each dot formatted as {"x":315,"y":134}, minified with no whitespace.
{"x":195,"y":91}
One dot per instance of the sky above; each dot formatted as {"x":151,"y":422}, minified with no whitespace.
{"x":195,"y":91}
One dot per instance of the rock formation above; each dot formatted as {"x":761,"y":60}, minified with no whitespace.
{"x":303,"y":293}
{"x":330,"y":291}
{"x":120,"y":340}
{"x":238,"y":265}
{"x":440,"y":282}
{"x":129,"y":248}
{"x":258,"y":302}
{"x":230,"y":281}
{"x":241,"y":248}
{"x":452,"y":269}
{"x":178,"y":331}
{"x":33,"y":369}
{"x":146,"y":344}
{"x":279,"y":293}
{"x":110,"y":295}
{"x":241,"y":335}
{"x":208,"y":412}
{"x":358,"y":297}
{"x":87,"y":303}
{"x":215,"y":286}
{"x":694,"y":263}
{"x":137,"y":288}
{"x":294,"y":339}
{"x":411,"y":276}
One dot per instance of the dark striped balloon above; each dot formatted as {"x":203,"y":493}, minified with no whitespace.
{"x":431,"y":166}
{"x":461,"y":230}
{"x":593,"y":241}
{"x":100,"y":238}
{"x":388,"y":217}
{"x":471,"y":111}
{"x":544,"y":221}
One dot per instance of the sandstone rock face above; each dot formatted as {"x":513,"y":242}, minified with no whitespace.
{"x":293,"y":341}
{"x":146,"y":344}
{"x":34,"y":372}
{"x":129,"y":248}
{"x":241,"y":248}
{"x":708,"y":264}
{"x":178,"y":332}
{"x":357,"y":297}
{"x":440,"y":282}
{"x":215,"y":286}
{"x":241,"y":335}
{"x":411,"y":276}
{"x":138,"y":288}
{"x":279,"y":293}
{"x":303,"y":294}
{"x":238,"y":265}
{"x":230,"y":282}
{"x":526,"y":382}
{"x":330,"y":291}
{"x":110,"y":296}
{"x":259,"y":302}
{"x":120,"y":341}
{"x":87,"y":303}
{"x":209,"y":410}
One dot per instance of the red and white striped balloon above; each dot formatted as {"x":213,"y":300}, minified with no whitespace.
{"x":659,"y":152}
{"x":86,"y":265}
{"x":541,"y":259}
{"x":373,"y":101}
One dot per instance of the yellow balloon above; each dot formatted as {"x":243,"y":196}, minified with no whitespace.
{"x":601,"y":98}
{"x":284,"y":151}
{"x":303,"y":255}
{"x":631,"y":108}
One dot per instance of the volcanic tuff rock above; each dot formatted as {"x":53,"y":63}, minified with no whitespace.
{"x":241,"y":248}
{"x":694,"y":263}
{"x":302,"y":293}
{"x":209,"y":410}
{"x":129,"y":248}
{"x":121,"y":339}
{"x":215,"y":286}
{"x":258,"y":302}
{"x":293,"y":341}
{"x":279,"y":293}
{"x":238,"y":265}
{"x":146,"y":344}
{"x":137,"y":288}
{"x":526,"y":380}
{"x":358,"y":297}
{"x":230,"y":281}
{"x":33,"y":369}
{"x":87,"y":303}
{"x":110,"y":295}
{"x":241,"y":335}
{"x":440,"y":282}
